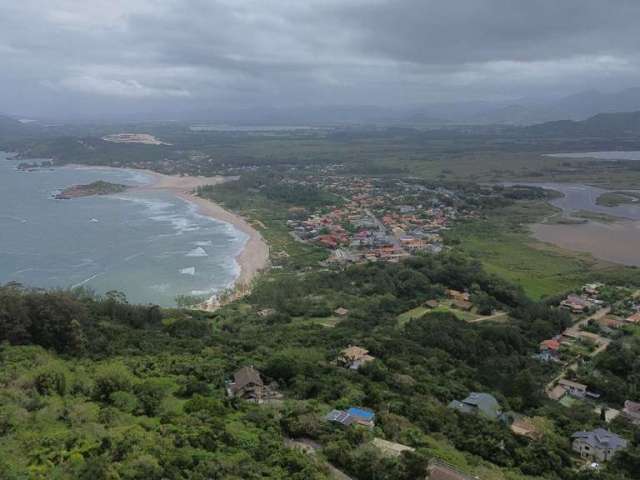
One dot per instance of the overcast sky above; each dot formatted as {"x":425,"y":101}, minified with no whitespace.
{"x":103,"y":56}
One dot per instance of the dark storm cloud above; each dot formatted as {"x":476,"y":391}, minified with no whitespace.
{"x":109,"y":55}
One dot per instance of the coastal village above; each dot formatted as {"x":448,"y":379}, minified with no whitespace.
{"x":380,"y":220}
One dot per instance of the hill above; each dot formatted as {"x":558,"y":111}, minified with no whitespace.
{"x":622,"y":124}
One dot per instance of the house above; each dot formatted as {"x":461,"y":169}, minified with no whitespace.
{"x":599,"y":444}
{"x":391,"y":449}
{"x":431,"y":304}
{"x":341,"y":312}
{"x":478,"y":404}
{"x":354,"y":357}
{"x":575,"y":304}
{"x":457,"y":295}
{"x":592,"y":289}
{"x":610,"y":322}
{"x":631,"y":411}
{"x":353,"y":416}
{"x":462,"y":305}
{"x":634,"y":319}
{"x":525,"y":428}
{"x":575,"y":389}
{"x":247,"y":385}
{"x":549,"y":350}
{"x":439,"y":470}
{"x":266,"y":312}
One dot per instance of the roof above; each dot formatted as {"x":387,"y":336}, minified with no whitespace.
{"x":354,"y":353}
{"x":635,"y":318}
{"x":341,"y":311}
{"x":483,"y":403}
{"x":350,"y":416}
{"x":601,"y":438}
{"x":631,"y":407}
{"x":339,"y":416}
{"x":550,"y":344}
{"x":362,"y":414}
{"x":568,"y":383}
{"x":246,"y":376}
{"x":462,"y":304}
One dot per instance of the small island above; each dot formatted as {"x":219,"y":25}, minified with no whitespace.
{"x":96,"y":188}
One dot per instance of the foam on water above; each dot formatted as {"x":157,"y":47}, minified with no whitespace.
{"x":138,"y":246}
{"x":197,"y":252}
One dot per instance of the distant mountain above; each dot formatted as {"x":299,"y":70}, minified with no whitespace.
{"x":602,"y":125}
{"x":579,"y":106}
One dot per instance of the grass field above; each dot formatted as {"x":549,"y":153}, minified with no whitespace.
{"x":503,"y":244}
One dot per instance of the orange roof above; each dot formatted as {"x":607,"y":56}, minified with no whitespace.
{"x":550,"y":344}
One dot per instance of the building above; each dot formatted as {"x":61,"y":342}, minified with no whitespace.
{"x":575,"y":304}
{"x":599,"y":444}
{"x":462,"y":305}
{"x":439,"y":470}
{"x":631,"y":411}
{"x":457,"y":295}
{"x":353,"y":416}
{"x":247,"y":385}
{"x":354,"y":357}
{"x":391,"y":449}
{"x":478,"y":404}
{"x":341,"y":312}
{"x":431,"y":304}
{"x":610,"y":322}
{"x":575,"y":389}
{"x":634,"y":319}
{"x":549,"y":350}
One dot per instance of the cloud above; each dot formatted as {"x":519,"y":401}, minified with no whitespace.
{"x":119,"y":88}
{"x":248,"y":53}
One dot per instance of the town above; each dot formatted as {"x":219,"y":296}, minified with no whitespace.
{"x":380,"y":219}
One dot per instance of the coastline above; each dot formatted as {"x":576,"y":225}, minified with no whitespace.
{"x":254,"y":255}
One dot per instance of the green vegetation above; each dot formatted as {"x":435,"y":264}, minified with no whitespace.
{"x":615,"y":199}
{"x":95,"y":387}
{"x":502,"y":241}
{"x":96,"y":188}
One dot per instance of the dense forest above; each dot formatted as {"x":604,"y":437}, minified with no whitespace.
{"x":93,"y":387}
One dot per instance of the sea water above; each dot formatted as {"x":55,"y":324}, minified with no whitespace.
{"x":150,"y":245}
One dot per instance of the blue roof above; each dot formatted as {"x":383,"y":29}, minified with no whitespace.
{"x":358,"y":412}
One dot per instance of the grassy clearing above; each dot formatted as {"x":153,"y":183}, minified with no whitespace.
{"x":419,"y":312}
{"x":504,"y":246}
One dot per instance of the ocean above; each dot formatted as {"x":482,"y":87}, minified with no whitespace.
{"x":150,"y":245}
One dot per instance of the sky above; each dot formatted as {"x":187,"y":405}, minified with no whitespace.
{"x":101,"y":57}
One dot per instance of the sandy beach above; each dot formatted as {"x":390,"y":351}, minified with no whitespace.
{"x":254,"y":256}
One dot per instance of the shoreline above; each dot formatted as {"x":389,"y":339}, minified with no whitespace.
{"x":254,"y":255}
